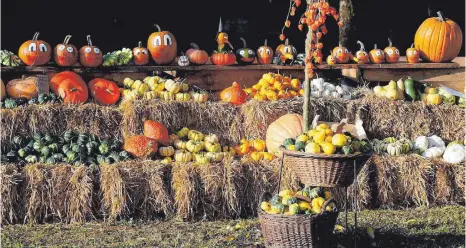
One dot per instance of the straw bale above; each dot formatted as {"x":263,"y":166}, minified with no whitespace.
{"x":10,"y":194}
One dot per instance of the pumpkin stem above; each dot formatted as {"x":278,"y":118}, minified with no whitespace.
{"x":36,"y":35}
{"x":389,"y":42}
{"x":195,"y":46}
{"x":89,"y":41}
{"x":286,"y":42}
{"x":66,"y":40}
{"x":265,"y":42}
{"x":362,"y":46}
{"x":440,"y":16}
{"x":139,"y":44}
{"x":244,"y":42}
{"x":412,"y":45}
{"x":375,"y":46}
{"x":158,"y":27}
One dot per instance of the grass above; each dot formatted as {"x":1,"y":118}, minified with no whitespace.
{"x":434,"y":227}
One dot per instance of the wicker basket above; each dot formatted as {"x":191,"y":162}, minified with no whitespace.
{"x":298,"y":230}
{"x":324,"y":170}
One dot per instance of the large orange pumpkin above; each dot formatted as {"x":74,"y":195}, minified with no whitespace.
{"x":2,"y":91}
{"x":234,"y":94}
{"x":66,"y":54}
{"x":35,"y":52}
{"x":157,"y":131}
{"x":140,"y":146}
{"x":105,"y":92}
{"x":73,"y":91}
{"x":287,"y":126}
{"x":196,"y":55}
{"x":22,"y":87}
{"x":438,"y":39}
{"x":58,"y":78}
{"x":90,"y":56}
{"x":162,"y":46}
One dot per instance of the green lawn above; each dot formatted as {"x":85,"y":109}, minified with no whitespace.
{"x":434,"y":227}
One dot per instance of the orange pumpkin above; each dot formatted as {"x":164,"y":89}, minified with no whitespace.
{"x":412,"y":55}
{"x":162,"y":46}
{"x":196,"y":55}
{"x":392,"y":54}
{"x":286,"y":52}
{"x":287,"y":126}
{"x":234,"y":94}
{"x":438,"y":39}
{"x":2,"y":91}
{"x":140,"y":55}
{"x":35,"y":52}
{"x":73,"y":91}
{"x":105,"y":92}
{"x":157,"y":131}
{"x":376,"y":55}
{"x":66,"y":54}
{"x":140,"y":146}
{"x":22,"y":87}
{"x":90,"y":56}
{"x":341,"y":54}
{"x":265,"y":54}
{"x":223,"y":58}
{"x":362,"y":57}
{"x":58,"y":78}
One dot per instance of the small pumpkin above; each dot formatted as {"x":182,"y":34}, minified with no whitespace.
{"x":56,"y":80}
{"x":140,"y":55}
{"x":183,"y":156}
{"x":286,"y":52}
{"x":105,"y":92}
{"x":434,"y":99}
{"x":376,"y":55}
{"x":196,"y":55}
{"x":182,"y":133}
{"x":234,"y":94}
{"x":223,"y":58}
{"x":212,"y":138}
{"x":183,"y":60}
{"x":2,"y":91}
{"x":172,"y":86}
{"x":245,"y":55}
{"x":180,"y":144}
{"x":195,"y":135}
{"x":157,"y":131}
{"x":201,"y":158}
{"x":412,"y":55}
{"x":212,"y":147}
{"x":166,"y":151}
{"x":35,"y":52}
{"x":182,"y":97}
{"x":194,"y":146}
{"x":394,"y":149}
{"x":22,"y":87}
{"x":392,"y":54}
{"x":214,"y":156}
{"x":66,"y":54}
{"x":342,"y":55}
{"x":264,"y":54}
{"x":140,"y":146}
{"x":90,"y":56}
{"x":162,"y":46}
{"x":287,"y":126}
{"x":331,"y":60}
{"x":73,"y":91}
{"x":200,"y":97}
{"x":166,"y":96}
{"x":362,"y":57}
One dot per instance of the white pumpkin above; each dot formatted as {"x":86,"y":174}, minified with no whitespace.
{"x":421,"y":143}
{"x":183,"y":60}
{"x":433,"y":152}
{"x":455,"y":154}
{"x":436,"y":141}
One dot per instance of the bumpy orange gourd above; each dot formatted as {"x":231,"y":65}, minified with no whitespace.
{"x":65,"y":54}
{"x":90,"y":56}
{"x":105,"y":92}
{"x":22,"y":87}
{"x":391,"y":53}
{"x":438,"y":39}
{"x":58,"y":78}
{"x":287,"y":126}
{"x":73,"y":91}
{"x":362,"y":57}
{"x":140,"y":146}
{"x":376,"y":55}
{"x":196,"y":55}
{"x":157,"y":131}
{"x":234,"y":94}
{"x":162,"y":46}
{"x":341,"y":54}
{"x":412,"y":55}
{"x":140,"y":55}
{"x":35,"y":52}
{"x":264,"y":54}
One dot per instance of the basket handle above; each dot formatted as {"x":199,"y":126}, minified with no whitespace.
{"x":281,"y":172}
{"x":331,"y":200}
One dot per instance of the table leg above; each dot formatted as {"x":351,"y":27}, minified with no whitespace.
{"x":355,"y":203}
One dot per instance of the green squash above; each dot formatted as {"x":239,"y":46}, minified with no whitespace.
{"x":68,"y":136}
{"x":38,"y":146}
{"x":31,"y":144}
{"x":115,"y":145}
{"x":409,"y":89}
{"x":43,"y":159}
{"x":365,"y":146}
{"x":22,"y":153}
{"x":355,"y":145}
{"x":53,"y":147}
{"x":10,"y":104}
{"x":303,"y":193}
{"x":278,"y":207}
{"x":37,"y":137}
{"x":58,"y":157}
{"x":347,"y":150}
{"x":70,"y":156}
{"x":115,"y":157}
{"x":31,"y":159}
{"x":48,"y":138}
{"x":299,"y":146}
{"x":82,"y":139}
{"x":33,"y":101}
{"x":91,"y":147}
{"x":103,"y":148}
{"x":52,"y":97}
{"x":125,"y":155}
{"x":51,"y":160}
{"x":42,"y":98}
{"x":75,"y":148}
{"x":395,"y":149}
{"x":45,"y":151}
{"x":90,"y":161}
{"x":389,"y":140}
{"x":276,"y":199}
{"x":316,"y":192}
{"x":66,"y":148}
{"x":288,"y":141}
{"x":286,"y":200}
{"x":18,"y":141}
{"x":245,"y":55}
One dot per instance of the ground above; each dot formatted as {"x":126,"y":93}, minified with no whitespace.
{"x":433,"y":227}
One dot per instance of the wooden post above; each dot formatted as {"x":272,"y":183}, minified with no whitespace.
{"x":346,"y":14}
{"x":307,"y":77}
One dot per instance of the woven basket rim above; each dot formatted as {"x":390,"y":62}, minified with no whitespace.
{"x":299,"y":216}
{"x":323,"y":156}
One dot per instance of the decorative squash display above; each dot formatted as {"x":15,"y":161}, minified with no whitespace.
{"x":391,"y":53}
{"x":183,"y":156}
{"x":376,"y":55}
{"x":287,"y":126}
{"x":394,"y":149}
{"x":438,"y":39}
{"x":90,"y":56}
{"x":412,"y":55}
{"x":72,"y":91}
{"x":35,"y":52}
{"x":157,"y":131}
{"x":140,"y":146}
{"x":200,"y":97}
{"x":140,"y":55}
{"x":342,"y":55}
{"x":66,"y":54}
{"x":162,"y":46}
{"x":2,"y":91}
{"x":245,"y":55}
{"x":361,"y":56}
{"x":22,"y":87}
{"x":265,"y":54}
{"x":58,"y":78}
{"x":105,"y":92}
{"x":183,"y":60}
{"x":234,"y":94}
{"x":286,"y":52}
{"x":166,"y":151}
{"x":196,"y":55}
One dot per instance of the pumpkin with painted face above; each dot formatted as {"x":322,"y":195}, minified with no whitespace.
{"x":66,"y":54}
{"x":245,"y":55}
{"x":412,"y":55}
{"x":140,"y":55}
{"x":392,"y":54}
{"x":183,"y":60}
{"x":162,"y":46}
{"x":264,"y":54}
{"x":362,"y":57}
{"x":286,"y":52}
{"x":35,"y":52}
{"x":342,"y":55}
{"x":331,"y":60}
{"x":90,"y":56}
{"x":376,"y":55}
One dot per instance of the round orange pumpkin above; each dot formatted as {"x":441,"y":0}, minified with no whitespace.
{"x":140,"y":55}
{"x":105,"y":92}
{"x":157,"y":131}
{"x":2,"y":91}
{"x":58,"y":78}
{"x":361,"y":56}
{"x":162,"y":46}
{"x":341,"y":53}
{"x":66,"y":54}
{"x":90,"y":56}
{"x":140,"y":146}
{"x":287,"y":126}
{"x":234,"y":94}
{"x":392,"y":54}
{"x":376,"y":55}
{"x":438,"y":39}
{"x":22,"y":87}
{"x":35,"y":52}
{"x":412,"y":55}
{"x":264,"y":54}
{"x":73,"y":91}
{"x":196,"y":55}
{"x":223,"y":58}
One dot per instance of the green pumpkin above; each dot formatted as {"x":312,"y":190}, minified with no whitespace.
{"x":31,"y":159}
{"x":82,"y":139}
{"x":68,"y":136}
{"x":91,"y":161}
{"x":48,"y":138}
{"x":115,"y":145}
{"x":75,"y":148}
{"x":70,"y":156}
{"x":37,"y":137}
{"x":22,"y":153}
{"x":303,"y":193}
{"x":124,"y":155}
{"x":103,"y":148}
{"x":31,"y":144}
{"x":43,"y":159}
{"x":45,"y":151}
{"x":10,"y":104}
{"x":66,"y":148}
{"x":299,"y":146}
{"x":288,"y":141}
{"x":53,"y":147}
{"x":91,"y":147}
{"x":394,"y":149}
{"x":51,"y":160}
{"x":245,"y":55}
{"x":58,"y":157}
{"x":276,"y":199}
{"x":347,"y":150}
{"x":278,"y":206}
{"x":52,"y":97}
{"x":42,"y":99}
{"x":18,"y":140}
{"x":33,"y":101}
{"x":355,"y":145}
{"x":38,"y":146}
{"x":289,"y":200}
{"x":365,"y":146}
{"x":389,"y":140}
{"x":316,"y":192}
{"x":115,"y":157}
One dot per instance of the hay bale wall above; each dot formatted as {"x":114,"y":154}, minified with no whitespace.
{"x":10,"y":180}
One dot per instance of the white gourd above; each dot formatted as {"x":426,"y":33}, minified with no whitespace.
{"x":433,"y":152}
{"x":436,"y":141}
{"x":455,"y":154}
{"x":421,"y":143}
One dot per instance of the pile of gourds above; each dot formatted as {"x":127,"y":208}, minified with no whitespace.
{"x":320,"y":88}
{"x":254,"y":148}
{"x":392,"y":146}
{"x":273,"y":87}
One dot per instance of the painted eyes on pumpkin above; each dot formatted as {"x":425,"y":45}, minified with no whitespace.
{"x":414,"y":52}
{"x":261,"y":50}
{"x":137,"y":52}
{"x":268,"y":51}
{"x":340,"y":50}
{"x":42,"y":48}
{"x":346,"y":50}
{"x":241,"y":52}
{"x":157,"y":41}
{"x":167,"y":40}
{"x":287,"y":49}
{"x":87,"y":50}
{"x":61,"y":47}
{"x":378,"y":53}
{"x":144,"y":51}
{"x":409,"y":52}
{"x":69,"y":49}
{"x":32,"y":47}
{"x":250,"y":52}
{"x":397,"y":51}
{"x":390,"y":52}
{"x":96,"y":50}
